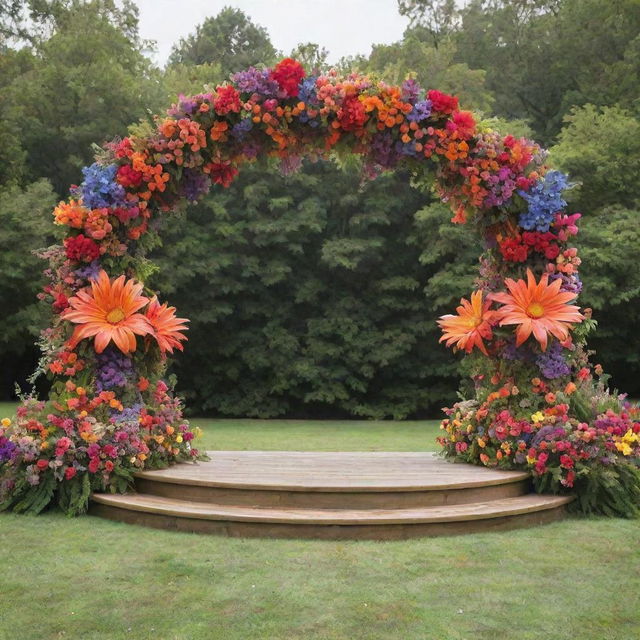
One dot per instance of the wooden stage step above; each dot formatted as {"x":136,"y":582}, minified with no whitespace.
{"x":359,"y":495}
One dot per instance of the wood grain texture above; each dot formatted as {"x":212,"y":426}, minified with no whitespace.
{"x":331,"y":471}
{"x":327,"y":532}
{"x":331,"y":499}
{"x":450,"y":513}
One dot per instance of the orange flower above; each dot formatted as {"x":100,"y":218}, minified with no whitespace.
{"x":166,"y":327}
{"x":537,"y":307}
{"x":470,"y":326}
{"x":108,"y":311}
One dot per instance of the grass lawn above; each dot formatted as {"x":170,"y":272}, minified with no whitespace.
{"x":89,"y":578}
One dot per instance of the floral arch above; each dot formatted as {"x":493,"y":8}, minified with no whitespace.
{"x":535,"y":401}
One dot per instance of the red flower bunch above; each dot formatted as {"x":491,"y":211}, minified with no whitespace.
{"x":221,"y":173}
{"x":542,"y":243}
{"x":517,"y":248}
{"x":462,"y":123}
{"x":81,"y":249}
{"x":513,"y":250}
{"x":127,"y":176}
{"x":288,"y":73}
{"x":352,"y":114}
{"x":442,"y":102}
{"x":227,"y":99}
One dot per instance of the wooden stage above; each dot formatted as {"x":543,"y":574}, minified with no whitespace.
{"x":330,"y":495}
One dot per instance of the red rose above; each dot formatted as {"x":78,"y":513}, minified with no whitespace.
{"x":288,"y":73}
{"x":94,"y":464}
{"x":108,"y":465}
{"x":42,"y":464}
{"x":81,"y":249}
{"x":442,"y":102}
{"x":69,"y":473}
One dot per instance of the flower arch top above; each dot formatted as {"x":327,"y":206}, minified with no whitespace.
{"x":535,"y":402}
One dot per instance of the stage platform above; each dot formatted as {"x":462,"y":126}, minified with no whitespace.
{"x":330,"y":495}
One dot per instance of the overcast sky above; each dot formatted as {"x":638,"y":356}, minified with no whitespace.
{"x":344,"y":27}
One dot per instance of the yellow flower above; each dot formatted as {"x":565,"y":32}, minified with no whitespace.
{"x":481,"y":443}
{"x":197,"y":432}
{"x":178,"y":438}
{"x":624,"y":448}
{"x":538,"y":416}
{"x":630,"y":437}
{"x":6,"y":422}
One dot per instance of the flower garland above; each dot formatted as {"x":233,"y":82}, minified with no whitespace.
{"x":535,"y":401}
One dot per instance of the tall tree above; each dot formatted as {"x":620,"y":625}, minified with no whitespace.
{"x":229,"y":39}
{"x":88,"y":82}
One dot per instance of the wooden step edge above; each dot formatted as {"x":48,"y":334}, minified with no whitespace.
{"x":455,"y":513}
{"x":514,"y":476}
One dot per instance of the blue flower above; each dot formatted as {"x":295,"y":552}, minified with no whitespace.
{"x":545,"y":200}
{"x":307,"y":91}
{"x":100,"y":188}
{"x":421,"y":111}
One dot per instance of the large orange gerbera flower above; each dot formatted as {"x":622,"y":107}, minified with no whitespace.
{"x":108,"y":311}
{"x":537,"y":307}
{"x":470,"y":326}
{"x":167,"y":328}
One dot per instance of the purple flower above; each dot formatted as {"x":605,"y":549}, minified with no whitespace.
{"x":195,"y":184}
{"x":7,"y":449}
{"x":113,"y":370}
{"x":552,"y":363}
{"x":411,"y":90}
{"x":242,"y":128}
{"x":571,"y":283}
{"x":89,"y":272}
{"x":383,"y":150}
{"x":421,"y":111}
{"x":255,"y":81}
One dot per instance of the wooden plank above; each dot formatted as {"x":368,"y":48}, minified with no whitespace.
{"x":450,"y":513}
{"x":241,"y":496}
{"x":328,"y":532}
{"x":331,"y":471}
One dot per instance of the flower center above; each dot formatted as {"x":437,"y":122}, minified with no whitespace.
{"x":535,"y":310}
{"x":115,"y":315}
{"x":473,"y":322}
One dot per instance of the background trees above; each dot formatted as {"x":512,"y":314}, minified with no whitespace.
{"x":314,"y":294}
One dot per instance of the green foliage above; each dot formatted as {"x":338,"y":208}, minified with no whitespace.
{"x":25,"y":220}
{"x":612,"y":491}
{"x":87,"y":83}
{"x":307,"y":295}
{"x":612,"y":288}
{"x":544,"y":56}
{"x":434,"y":67}
{"x":229,"y":39}
{"x":600,"y":148}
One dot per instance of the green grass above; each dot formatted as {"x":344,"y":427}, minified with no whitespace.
{"x":94,"y":579}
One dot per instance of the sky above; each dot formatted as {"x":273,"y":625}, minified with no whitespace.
{"x":344,"y":27}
